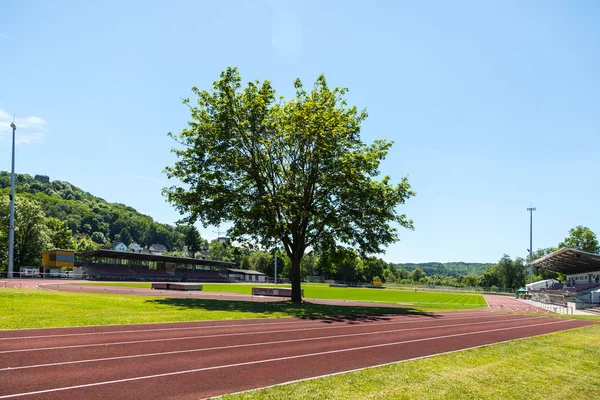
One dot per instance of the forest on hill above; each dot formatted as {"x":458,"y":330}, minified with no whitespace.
{"x":448,"y":269}
{"x":91,"y":216}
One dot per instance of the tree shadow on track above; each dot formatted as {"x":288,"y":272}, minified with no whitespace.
{"x":311,"y":311}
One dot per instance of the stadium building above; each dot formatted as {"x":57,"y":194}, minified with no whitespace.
{"x":582,"y":285}
{"x":131,"y":266}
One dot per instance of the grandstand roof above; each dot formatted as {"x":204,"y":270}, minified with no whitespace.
{"x":569,"y":261}
{"x":244,"y":271}
{"x":123,"y":255}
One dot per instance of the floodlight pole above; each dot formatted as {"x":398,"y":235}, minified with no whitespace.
{"x":11,"y":223}
{"x":531,"y":210}
{"x":275,"y":268}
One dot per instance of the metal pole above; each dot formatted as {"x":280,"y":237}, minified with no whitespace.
{"x":11,"y":223}
{"x":275,"y":267}
{"x":531,"y":210}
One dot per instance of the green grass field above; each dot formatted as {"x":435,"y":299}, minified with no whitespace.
{"x":557,"y":366}
{"x":430,"y":300}
{"x":46,"y":309}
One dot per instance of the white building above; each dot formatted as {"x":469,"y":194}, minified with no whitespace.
{"x":157,"y":249}
{"x":134,"y":247}
{"x":245,"y":275}
{"x":119,"y":246}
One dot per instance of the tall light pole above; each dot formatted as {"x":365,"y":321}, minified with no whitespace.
{"x":531,"y":210}
{"x":11,"y":223}
{"x":275,"y":274}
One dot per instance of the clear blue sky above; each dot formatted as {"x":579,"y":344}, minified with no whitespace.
{"x":492,"y":105}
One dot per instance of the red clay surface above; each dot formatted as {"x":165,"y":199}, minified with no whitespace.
{"x":202,"y":359}
{"x":76,"y":286}
{"x":511,"y":304}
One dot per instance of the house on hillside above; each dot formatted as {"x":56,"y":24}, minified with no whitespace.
{"x":203,"y":255}
{"x":157,"y":249}
{"x":119,"y":246}
{"x":134,"y":247}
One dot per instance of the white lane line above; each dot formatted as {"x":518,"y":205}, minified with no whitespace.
{"x":271,"y":360}
{"x":255,"y":344}
{"x":374,"y":366}
{"x":263,"y":323}
{"x":215,"y":336}
{"x":145,"y":330}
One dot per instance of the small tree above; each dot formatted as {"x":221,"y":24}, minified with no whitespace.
{"x":289,"y":173}
{"x":417,"y":275}
{"x":98,"y":237}
{"x":193,"y":240}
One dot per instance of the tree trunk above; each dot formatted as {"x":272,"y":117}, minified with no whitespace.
{"x":296,"y":291}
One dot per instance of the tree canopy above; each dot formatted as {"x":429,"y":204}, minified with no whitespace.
{"x":581,"y":238}
{"x":32,"y":235}
{"x":292,"y":173}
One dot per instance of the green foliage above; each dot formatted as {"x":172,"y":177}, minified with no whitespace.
{"x":61,"y":237}
{"x":417,"y":275}
{"x":581,"y":238}
{"x":449,"y":269}
{"x":221,"y":251}
{"x":98,"y":237}
{"x":32,"y":235}
{"x":84,"y":243}
{"x":125,"y":237}
{"x":290,"y":173}
{"x":85,"y":214}
{"x":511,"y":273}
{"x":192,"y":239}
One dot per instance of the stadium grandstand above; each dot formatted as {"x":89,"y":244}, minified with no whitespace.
{"x":117,"y":265}
{"x":582,"y":283}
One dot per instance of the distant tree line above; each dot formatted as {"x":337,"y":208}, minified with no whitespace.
{"x":59,"y":215}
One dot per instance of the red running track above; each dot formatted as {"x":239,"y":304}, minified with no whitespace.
{"x":202,"y":359}
{"x":511,"y":304}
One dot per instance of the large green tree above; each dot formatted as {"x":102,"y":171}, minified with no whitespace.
{"x":511,"y":273}
{"x":291,"y":173}
{"x":581,"y":238}
{"x":32,"y":236}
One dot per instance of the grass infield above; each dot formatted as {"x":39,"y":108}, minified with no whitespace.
{"x":560,"y":365}
{"x":429,"y":300}
{"x":47,"y":309}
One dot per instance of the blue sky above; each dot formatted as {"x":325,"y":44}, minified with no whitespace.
{"x":492,"y":105}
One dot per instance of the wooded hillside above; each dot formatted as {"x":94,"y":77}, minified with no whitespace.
{"x":86,"y":214}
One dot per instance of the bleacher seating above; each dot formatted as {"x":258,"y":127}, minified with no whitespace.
{"x":99,"y":271}
{"x":147,"y":274}
{"x":202,"y":276}
{"x":555,"y":286}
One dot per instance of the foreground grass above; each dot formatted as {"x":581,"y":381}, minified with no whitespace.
{"x":46,"y":309}
{"x":432,"y":300}
{"x":557,"y":366}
